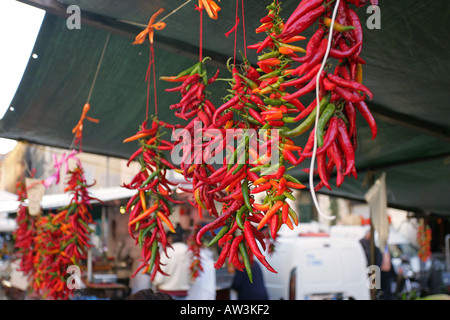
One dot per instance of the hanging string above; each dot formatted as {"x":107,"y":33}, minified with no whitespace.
{"x":200,"y":53}
{"x":243,"y":29}
{"x":235,"y":31}
{"x":175,"y":10}
{"x":98,"y":68}
{"x":78,"y":129}
{"x":148,"y":80}
{"x":311,"y":183}
{"x":149,"y":32}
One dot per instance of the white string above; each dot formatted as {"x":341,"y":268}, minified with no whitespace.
{"x":161,"y":20}
{"x":311,"y":169}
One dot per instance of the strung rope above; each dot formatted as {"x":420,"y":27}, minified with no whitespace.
{"x":234,"y":29}
{"x":140,"y":38}
{"x":78,"y":129}
{"x":200,"y":53}
{"x":98,"y":68}
{"x":173,"y":11}
{"x":243,"y":29}
{"x":313,"y":192}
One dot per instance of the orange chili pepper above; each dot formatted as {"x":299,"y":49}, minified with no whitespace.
{"x":285,"y":50}
{"x":259,"y":181}
{"x":174,"y":78}
{"x":137,"y":136}
{"x":294,"y":39}
{"x":294,"y":185}
{"x":261,"y":207}
{"x":144,"y":214}
{"x":270,"y":213}
{"x":58,"y":216}
{"x":163,"y":217}
{"x":142,"y":197}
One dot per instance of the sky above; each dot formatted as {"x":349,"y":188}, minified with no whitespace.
{"x":19,"y":26}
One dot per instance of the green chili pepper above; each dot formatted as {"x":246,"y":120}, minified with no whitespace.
{"x":250,"y":83}
{"x":272,"y":169}
{"x":142,"y":233}
{"x":270,"y":74}
{"x":272,"y":54}
{"x":309,"y":121}
{"x":250,"y":119}
{"x":246,"y":259}
{"x":289,"y":196}
{"x":239,"y":215}
{"x":323,"y":120}
{"x":291,"y":178}
{"x":154,"y":252}
{"x":279,"y":198}
{"x":219,"y":235}
{"x":246,"y":195}
{"x":274,"y":102}
{"x":288,"y":119}
{"x":188,"y":70}
{"x":149,"y":178}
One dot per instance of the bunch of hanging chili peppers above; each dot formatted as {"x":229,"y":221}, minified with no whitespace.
{"x":194,"y":248}
{"x":24,"y":235}
{"x":63,"y":239}
{"x":341,"y":92}
{"x":424,"y":241}
{"x":150,"y":208}
{"x":269,"y":99}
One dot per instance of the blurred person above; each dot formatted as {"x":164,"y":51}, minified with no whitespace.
{"x":176,"y":265}
{"x":148,"y":294}
{"x":247,"y":290}
{"x":204,"y":286}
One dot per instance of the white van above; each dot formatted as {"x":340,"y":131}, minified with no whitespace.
{"x":317,"y":267}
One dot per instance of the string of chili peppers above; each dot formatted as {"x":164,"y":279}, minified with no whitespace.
{"x":424,"y":241}
{"x":150,"y":208}
{"x":24,"y":235}
{"x":194,"y":248}
{"x":65,"y":237}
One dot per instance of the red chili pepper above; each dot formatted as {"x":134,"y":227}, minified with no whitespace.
{"x":362,"y":107}
{"x":308,"y":76}
{"x":312,"y":46}
{"x":302,"y":8}
{"x":316,"y":59}
{"x":334,"y":154}
{"x":346,"y":145}
{"x":339,"y":54}
{"x":306,"y":89}
{"x":354,"y":85}
{"x":303,"y":23}
{"x":348,"y":95}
